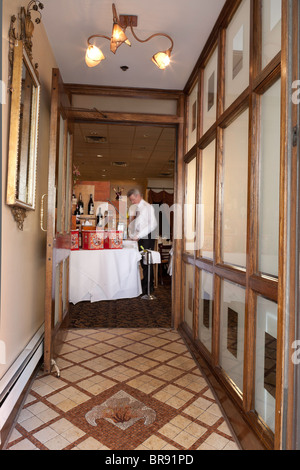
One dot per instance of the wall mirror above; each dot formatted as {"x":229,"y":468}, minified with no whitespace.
{"x":23,"y":134}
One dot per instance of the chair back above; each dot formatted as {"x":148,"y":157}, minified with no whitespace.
{"x":164,"y":252}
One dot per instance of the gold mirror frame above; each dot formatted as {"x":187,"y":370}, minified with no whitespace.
{"x":23,"y":136}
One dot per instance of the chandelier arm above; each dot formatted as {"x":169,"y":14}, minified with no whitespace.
{"x":97,"y":36}
{"x":152,"y":36}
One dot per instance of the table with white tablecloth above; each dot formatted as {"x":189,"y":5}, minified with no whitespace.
{"x":105,"y":274}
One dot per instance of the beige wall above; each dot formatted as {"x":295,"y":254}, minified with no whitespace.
{"x":23,"y":252}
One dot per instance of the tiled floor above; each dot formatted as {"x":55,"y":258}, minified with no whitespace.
{"x":122,"y":389}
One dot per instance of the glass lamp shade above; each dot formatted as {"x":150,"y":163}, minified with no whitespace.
{"x":162,"y":59}
{"x":117,"y":38}
{"x":93,"y":56}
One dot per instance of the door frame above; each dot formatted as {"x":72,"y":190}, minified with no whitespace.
{"x":58,"y":243}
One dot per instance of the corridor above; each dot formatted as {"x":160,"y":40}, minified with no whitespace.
{"x":122,"y":389}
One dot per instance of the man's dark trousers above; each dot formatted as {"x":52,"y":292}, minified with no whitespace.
{"x":148,"y":244}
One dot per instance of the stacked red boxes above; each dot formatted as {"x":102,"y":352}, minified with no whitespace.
{"x":93,"y":240}
{"x":74,"y":240}
{"x":113,"y":240}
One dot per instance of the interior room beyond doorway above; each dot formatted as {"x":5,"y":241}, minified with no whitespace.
{"x":108,"y":160}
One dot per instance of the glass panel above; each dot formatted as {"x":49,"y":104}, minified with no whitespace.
{"x":206,"y":295}
{"x":192,"y":117}
{"x":189,"y":295}
{"x":65,"y":280}
{"x":210,"y":92}
{"x":237,"y":54}
{"x":271,"y":30}
{"x":57,"y":300}
{"x":232,"y":323}
{"x":207,"y":202}
{"x":59,"y":226}
{"x":190,"y":206}
{"x":67,"y":214}
{"x":269,"y":181}
{"x":235,"y":182}
{"x":265,"y":373}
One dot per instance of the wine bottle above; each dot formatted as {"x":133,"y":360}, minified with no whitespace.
{"x":91,"y":206}
{"x":99,"y":218}
{"x":77,"y":213}
{"x":80,"y":204}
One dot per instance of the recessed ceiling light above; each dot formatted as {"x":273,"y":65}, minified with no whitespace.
{"x":99,"y":156}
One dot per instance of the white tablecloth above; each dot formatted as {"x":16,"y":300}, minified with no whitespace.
{"x":104,"y":274}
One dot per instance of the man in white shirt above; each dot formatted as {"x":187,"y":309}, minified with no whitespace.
{"x":141,"y":230}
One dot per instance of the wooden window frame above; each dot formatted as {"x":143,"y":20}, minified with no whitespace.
{"x":254,"y":282}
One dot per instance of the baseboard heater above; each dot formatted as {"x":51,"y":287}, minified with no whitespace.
{"x":16,"y":378}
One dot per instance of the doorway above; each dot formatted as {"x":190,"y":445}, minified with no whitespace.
{"x":108,"y":160}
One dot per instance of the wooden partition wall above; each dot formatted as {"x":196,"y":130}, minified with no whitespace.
{"x":234,"y":193}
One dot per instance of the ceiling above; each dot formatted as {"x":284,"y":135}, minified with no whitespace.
{"x":124,"y":152}
{"x":69,"y":23}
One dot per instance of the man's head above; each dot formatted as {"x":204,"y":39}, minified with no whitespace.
{"x":134,"y":196}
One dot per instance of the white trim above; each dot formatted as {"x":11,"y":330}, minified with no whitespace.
{"x":14,"y":381}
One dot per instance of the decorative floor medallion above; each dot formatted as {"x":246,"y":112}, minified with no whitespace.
{"x":122,"y":389}
{"x":121,"y":410}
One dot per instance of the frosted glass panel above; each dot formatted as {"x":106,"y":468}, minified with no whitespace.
{"x":237,"y":54}
{"x":210,"y":92}
{"x":189,"y":295}
{"x":57,"y":300}
{"x":192,"y":117}
{"x":207,"y":202}
{"x":205,"y":309}
{"x":271,"y":30}
{"x":269,"y":181}
{"x":190,"y":206}
{"x":60,"y":226}
{"x":265,"y":373}
{"x":232,"y":324}
{"x":235,"y":182}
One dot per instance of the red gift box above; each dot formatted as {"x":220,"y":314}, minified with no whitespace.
{"x":93,"y":240}
{"x":113,"y":240}
{"x":74,"y":240}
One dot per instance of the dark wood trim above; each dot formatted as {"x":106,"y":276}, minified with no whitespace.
{"x":231,"y":274}
{"x":108,"y":116}
{"x":191,"y":154}
{"x":142,"y":93}
{"x":264,"y":286}
{"x":177,"y":292}
{"x":208,"y":137}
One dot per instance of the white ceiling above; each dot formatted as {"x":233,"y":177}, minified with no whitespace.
{"x":148,"y":152}
{"x":69,"y":23}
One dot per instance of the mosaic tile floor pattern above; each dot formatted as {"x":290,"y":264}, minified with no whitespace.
{"x":122,"y":389}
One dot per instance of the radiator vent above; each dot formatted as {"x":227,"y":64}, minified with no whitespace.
{"x":122,"y":164}
{"x":95,"y":139}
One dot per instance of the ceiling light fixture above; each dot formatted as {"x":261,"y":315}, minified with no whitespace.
{"x":94,"y":55}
